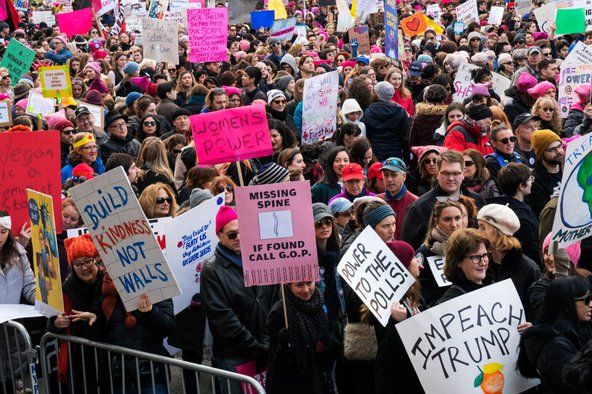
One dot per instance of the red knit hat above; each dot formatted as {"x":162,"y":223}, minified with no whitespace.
{"x":225,"y":215}
{"x":62,"y":124}
{"x":77,"y":247}
{"x":403,"y":251}
{"x":84,"y":170}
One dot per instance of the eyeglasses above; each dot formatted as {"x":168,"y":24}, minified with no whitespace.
{"x":323,"y":222}
{"x":454,"y":197}
{"x":118,"y":126}
{"x":150,"y":123}
{"x":587,"y":299}
{"x":276,"y":44}
{"x":447,"y":174}
{"x":228,"y":188}
{"x":477,"y":258}
{"x":508,"y":139}
{"x":554,"y":149}
{"x":87,"y":262}
{"x":69,"y":132}
{"x":94,"y":32}
{"x":162,"y":200}
{"x":232,"y":234}
{"x":546,"y":54}
{"x":279,"y":102}
{"x":91,"y":148}
{"x":177,"y":151}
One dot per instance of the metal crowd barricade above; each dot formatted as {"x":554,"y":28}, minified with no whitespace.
{"x":17,"y":360}
{"x":104,"y":368}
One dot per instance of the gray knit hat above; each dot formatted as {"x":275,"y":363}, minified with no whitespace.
{"x":198,"y":196}
{"x":270,"y":173}
{"x":384,"y":91}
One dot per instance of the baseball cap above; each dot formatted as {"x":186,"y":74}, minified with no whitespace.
{"x":414,"y":69}
{"x":521,"y":119}
{"x":534,"y":49}
{"x":394,"y":164}
{"x":374,"y":171}
{"x":340,"y":205}
{"x":352,"y":171}
{"x":81,"y":111}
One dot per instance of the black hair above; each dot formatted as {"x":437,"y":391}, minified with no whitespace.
{"x":164,"y":88}
{"x":119,"y":159}
{"x":9,"y":251}
{"x":329,"y":175}
{"x":346,"y":129}
{"x":358,"y":150}
{"x":479,"y":74}
{"x":288,"y":137}
{"x":512,"y":176}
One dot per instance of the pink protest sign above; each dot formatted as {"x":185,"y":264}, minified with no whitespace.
{"x":207,"y":29}
{"x":76,"y":22}
{"x":250,"y":369}
{"x":231,"y":135}
{"x":278,"y":245}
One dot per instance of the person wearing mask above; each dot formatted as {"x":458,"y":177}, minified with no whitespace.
{"x":548,"y":169}
{"x":471,"y":132}
{"x":450,"y":176}
{"x":236,"y":314}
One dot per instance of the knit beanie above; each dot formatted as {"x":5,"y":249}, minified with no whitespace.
{"x":274,"y":94}
{"x":480,"y":89}
{"x":82,"y":246}
{"x":573,"y":251}
{"x":62,"y":38}
{"x":377,"y":215}
{"x":198,"y":196}
{"x":541,"y":139}
{"x":351,"y":105}
{"x":95,"y":66}
{"x":62,"y":124}
{"x":131,"y":98}
{"x":94,"y":97}
{"x":270,"y":173}
{"x":98,"y":85}
{"x":84,"y":170}
{"x":225,"y":215}
{"x":403,"y":251}
{"x":131,"y":68}
{"x":540,"y":89}
{"x":525,"y":82}
{"x":283,"y":82}
{"x":384,"y":91}
{"x":501,"y":217}
{"x":478,"y":112}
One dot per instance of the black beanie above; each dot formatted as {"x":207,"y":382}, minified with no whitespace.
{"x":478,"y":112}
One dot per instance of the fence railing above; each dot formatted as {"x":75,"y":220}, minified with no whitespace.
{"x":18,"y":360}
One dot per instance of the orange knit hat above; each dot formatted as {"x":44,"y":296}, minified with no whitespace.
{"x":77,"y":247}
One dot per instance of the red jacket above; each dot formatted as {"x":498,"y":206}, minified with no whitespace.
{"x":461,"y":136}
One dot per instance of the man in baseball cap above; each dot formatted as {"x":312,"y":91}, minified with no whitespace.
{"x":524,"y":124}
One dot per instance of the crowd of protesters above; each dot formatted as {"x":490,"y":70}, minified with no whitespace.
{"x":475,"y":181}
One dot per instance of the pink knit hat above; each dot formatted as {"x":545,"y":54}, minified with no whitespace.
{"x":573,"y":250}
{"x":94,"y":97}
{"x":22,"y":104}
{"x":143,"y":82}
{"x":375,"y":49}
{"x":98,"y":85}
{"x":95,"y":66}
{"x":421,"y":151}
{"x":525,"y":82}
{"x":540,"y":89}
{"x":225,"y":215}
{"x":583,"y":91}
{"x":230,"y":90}
{"x":480,"y":89}
{"x":244,"y":45}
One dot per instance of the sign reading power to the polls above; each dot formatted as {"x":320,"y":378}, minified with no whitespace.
{"x":373,"y":271}
{"x":468,"y":344}
{"x":124,"y":239}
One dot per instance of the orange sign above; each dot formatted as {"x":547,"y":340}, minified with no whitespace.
{"x":414,"y":25}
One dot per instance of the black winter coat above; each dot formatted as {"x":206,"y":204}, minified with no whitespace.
{"x":128,"y":145}
{"x":428,"y":117}
{"x":430,"y":290}
{"x":387,"y":128}
{"x":542,"y":188}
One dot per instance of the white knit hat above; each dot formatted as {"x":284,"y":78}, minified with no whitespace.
{"x":500,"y":217}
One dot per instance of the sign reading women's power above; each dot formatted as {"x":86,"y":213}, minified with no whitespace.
{"x":375,"y":274}
{"x":231,"y":135}
{"x":468,"y":342}
{"x":573,"y":218}
{"x":576,"y":71}
{"x":49,"y":300}
{"x":277,"y":238}
{"x":191,"y":241}
{"x":319,"y":107}
{"x":123,"y":238}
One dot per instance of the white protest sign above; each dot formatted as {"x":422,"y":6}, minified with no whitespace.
{"x":124,"y":239}
{"x":44,"y":16}
{"x":37,"y":104}
{"x":523,"y":6}
{"x":17,"y":311}
{"x":133,"y":24}
{"x":365,"y":8}
{"x":138,"y":10}
{"x":467,"y":12}
{"x":573,"y":218}
{"x":300,"y":30}
{"x":106,"y":6}
{"x":463,"y":83}
{"x":161,"y":40}
{"x":176,"y":11}
{"x":345,"y":21}
{"x":157,"y":226}
{"x":98,"y":114}
{"x":436,"y":264}
{"x":545,"y":16}
{"x":283,"y":29}
{"x":434,"y":11}
{"x":5,"y":113}
{"x":467,"y":342}
{"x":495,"y":15}
{"x":376,"y":275}
{"x":319,"y":107}
{"x":575,"y":72}
{"x":191,"y":241}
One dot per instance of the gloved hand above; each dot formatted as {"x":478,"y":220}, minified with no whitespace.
{"x":353,"y":42}
{"x":561,"y":260}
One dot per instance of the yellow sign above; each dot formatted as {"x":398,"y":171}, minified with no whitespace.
{"x":55,"y":82}
{"x":48,"y":296}
{"x":279,"y":8}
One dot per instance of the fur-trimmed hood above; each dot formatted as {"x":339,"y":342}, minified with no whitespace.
{"x":428,"y":109}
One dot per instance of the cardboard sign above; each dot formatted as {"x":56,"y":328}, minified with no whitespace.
{"x":208,"y":30}
{"x":319,"y":107}
{"x":77,"y":22}
{"x":262,"y":19}
{"x":124,"y":239}
{"x":55,"y":81}
{"x":391,"y":38}
{"x":495,"y":15}
{"x":5,"y":113}
{"x":191,"y":241}
{"x":231,"y":135}
{"x":98,"y":114}
{"x":250,"y":369}
{"x":364,"y":8}
{"x":157,"y":9}
{"x":523,"y":6}
{"x":279,"y":245}
{"x":545,"y":16}
{"x":29,"y":161}
{"x":156,"y":225}
{"x":575,"y":72}
{"x":467,"y":12}
{"x":436,"y":264}
{"x":376,"y":275}
{"x":463,"y":83}
{"x":17,"y":59}
{"x":434,"y":11}
{"x":49,"y":300}
{"x":46,"y":17}
{"x":17,"y":311}
{"x":283,"y":29}
{"x":161,"y":40}
{"x":39,"y":105}
{"x":414,"y":25}
{"x":467,"y":342}
{"x":573,"y":218}
{"x":360,"y":33}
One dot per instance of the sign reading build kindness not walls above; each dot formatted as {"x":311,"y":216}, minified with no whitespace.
{"x":124,"y":239}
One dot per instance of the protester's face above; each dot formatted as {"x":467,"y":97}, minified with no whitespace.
{"x":324,"y":229}
{"x":181,"y":124}
{"x":475,"y":42}
{"x":503,"y":142}
{"x":276,"y":140}
{"x":85,"y":123}
{"x":279,"y":104}
{"x":429,"y":163}
{"x":386,"y":228}
{"x":89,"y":73}
{"x":551,"y":72}
{"x":484,"y":124}
{"x":308,"y":65}
{"x":529,"y":39}
{"x":463,"y":41}
{"x":219,"y":102}
{"x":77,"y":91}
{"x":347,"y":70}
{"x":230,"y":236}
{"x":19,"y":111}
{"x":546,"y":112}
{"x":563,"y":52}
{"x":132,"y":173}
{"x":396,"y":80}
{"x":187,"y":80}
{"x":86,"y":269}
{"x":450,"y":220}
{"x":118,"y":129}
{"x":488,"y":230}
{"x":450,"y":177}
{"x":415,"y":267}
{"x":549,"y":260}
{"x":524,"y":131}
{"x":354,"y":186}
{"x":367,"y":158}
{"x":554,"y":154}
{"x":454,"y":115}
{"x":341,"y":160}
{"x":162,"y":209}
{"x":297,"y":163}
{"x":534,"y":58}
{"x":67,"y":135}
{"x":137,"y":57}
{"x":480,"y":100}
{"x":303,"y":290}
{"x":234,"y":101}
{"x":89,"y":152}
{"x":470,"y":167}
{"x":70,"y":217}
{"x":393,"y":180}
{"x":475,"y":272}
{"x":5,"y":80}
{"x":584,"y":309}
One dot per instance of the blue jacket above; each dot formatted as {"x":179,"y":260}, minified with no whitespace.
{"x":98,"y":166}
{"x":60,"y":57}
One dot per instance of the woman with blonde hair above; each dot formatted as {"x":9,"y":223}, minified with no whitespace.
{"x":158,"y":201}
{"x":185,"y":84}
{"x":547,"y":111}
{"x":116,"y":74}
{"x":154,"y":165}
{"x":84,"y":151}
{"x":223,"y":184}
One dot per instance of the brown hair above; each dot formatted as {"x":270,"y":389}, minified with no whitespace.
{"x":458,"y":245}
{"x":482,"y":172}
{"x":451,"y":156}
{"x":439,"y":207}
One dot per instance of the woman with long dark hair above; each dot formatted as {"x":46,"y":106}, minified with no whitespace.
{"x":331,"y":183}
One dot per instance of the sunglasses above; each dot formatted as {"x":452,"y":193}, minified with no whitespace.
{"x":508,"y":139}
{"x":469,"y":163}
{"x":161,"y":200}
{"x":454,"y":198}
{"x":150,"y":124}
{"x":177,"y":151}
{"x":69,"y":132}
{"x":228,"y":188}
{"x":430,"y":161}
{"x":232,"y":234}
{"x":323,"y":222}
{"x":5,"y":77}
{"x":547,"y":109}
{"x":587,"y":299}
{"x":279,"y":101}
